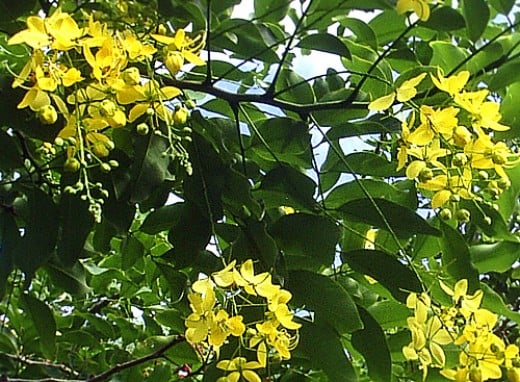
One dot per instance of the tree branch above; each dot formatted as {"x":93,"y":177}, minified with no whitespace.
{"x":266,"y":99}
{"x":108,"y":373}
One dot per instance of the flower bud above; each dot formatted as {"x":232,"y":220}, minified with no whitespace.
{"x":161,"y":29}
{"x":59,"y":141}
{"x":180,"y":116}
{"x":107,"y":108}
{"x":475,"y":375}
{"x":425,"y":175}
{"x":484,"y":175}
{"x":463,"y":215}
{"x":461,"y":136}
{"x":71,"y":165}
{"x":504,"y":183}
{"x":454,"y":198}
{"x":131,"y":76}
{"x":105,"y":167}
{"x":142,"y":129}
{"x":459,"y":160}
{"x":47,"y":114}
{"x":113,"y":163}
{"x":174,"y":62}
{"x":499,"y":158}
{"x":445,"y":214}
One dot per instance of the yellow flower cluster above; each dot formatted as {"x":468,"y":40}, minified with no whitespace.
{"x":217,"y":302}
{"x":462,"y":327}
{"x":99,"y":77}
{"x":450,"y":150}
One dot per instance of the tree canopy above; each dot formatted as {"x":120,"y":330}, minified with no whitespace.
{"x":277,"y":190}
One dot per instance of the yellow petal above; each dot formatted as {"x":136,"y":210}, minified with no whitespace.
{"x":382,"y":103}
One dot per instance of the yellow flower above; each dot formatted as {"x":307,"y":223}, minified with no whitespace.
{"x":488,"y":155}
{"x":485,"y":113}
{"x":183,"y":49}
{"x":427,"y":155}
{"x":239,"y":367}
{"x":404,"y":93}
{"x":59,"y":31}
{"x":108,"y":61}
{"x":135,"y":49}
{"x":452,"y":85}
{"x":419,"y":7}
{"x":447,"y":185}
{"x":434,"y":122}
{"x":466,"y":303}
{"x":152,"y":96}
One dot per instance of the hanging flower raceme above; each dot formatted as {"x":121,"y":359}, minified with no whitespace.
{"x":451,"y":151}
{"x":92,"y":77}
{"x":463,"y":327}
{"x":217,"y":303}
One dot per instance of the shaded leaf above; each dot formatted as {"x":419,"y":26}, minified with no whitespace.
{"x":371,"y":343}
{"x":162,"y":218}
{"x":476,"y":13}
{"x":395,"y":276}
{"x":327,"y":298}
{"x":496,"y":257}
{"x":456,"y":257}
{"x":322,"y":346}
{"x":76,"y":222}
{"x":43,"y":320}
{"x":444,"y":19}
{"x":286,"y":186}
{"x":325,"y":42}
{"x":307,"y":240}
{"x":41,"y":232}
{"x":403,"y":221}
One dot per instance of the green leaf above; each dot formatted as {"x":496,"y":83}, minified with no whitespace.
{"x":41,"y":316}
{"x":496,"y":257}
{"x":171,"y":318}
{"x":10,"y":156}
{"x":444,"y":19}
{"x":494,"y":303}
{"x":271,"y":10}
{"x":371,"y":343}
{"x":307,"y":240}
{"x":76,"y":222}
{"x":502,"y":6}
{"x":150,"y":167}
{"x":131,"y":250}
{"x":41,"y":231}
{"x":189,"y":234}
{"x":456,"y":257}
{"x":361,"y":30}
{"x":389,"y":314}
{"x":322,"y":346}
{"x":505,"y":75}
{"x":401,"y":220}
{"x":325,"y":42}
{"x":162,"y":218}
{"x":9,"y":238}
{"x":476,"y":13}
{"x":176,"y":280}
{"x":446,"y":55}
{"x":365,"y":163}
{"x":10,"y":11}
{"x":72,"y":280}
{"x":354,"y":190}
{"x":281,"y":138}
{"x":286,"y":186}
{"x":292,"y":87}
{"x":395,"y":276}
{"x":330,"y":302}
